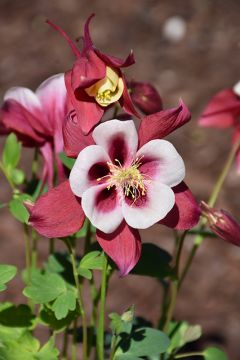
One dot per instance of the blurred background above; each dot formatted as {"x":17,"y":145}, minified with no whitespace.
{"x":188,"y":49}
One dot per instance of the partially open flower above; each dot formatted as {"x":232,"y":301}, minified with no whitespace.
{"x":37,"y":119}
{"x":223,"y":111}
{"x":222,"y":224}
{"x":95,"y":81}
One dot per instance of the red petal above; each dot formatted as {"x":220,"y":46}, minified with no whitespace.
{"x":87,"y":70}
{"x":115,"y":62}
{"x":159,"y":125}
{"x":87,"y":38}
{"x":73,"y":46}
{"x":19,"y":120}
{"x":48,"y":166}
{"x":186,"y":211}
{"x":89,"y":113}
{"x":57,"y":213}
{"x":221,"y":111}
{"x":145,"y":97}
{"x":123,"y":246}
{"x":126,"y":101}
{"x":73,"y":137}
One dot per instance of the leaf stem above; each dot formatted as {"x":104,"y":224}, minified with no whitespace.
{"x":80,"y":297}
{"x":100,"y":329}
{"x":186,"y":355}
{"x":27,"y":252}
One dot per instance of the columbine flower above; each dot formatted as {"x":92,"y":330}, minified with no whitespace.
{"x":223,"y":111}
{"x":145,"y":97}
{"x":117,"y":181}
{"x":95,"y":81}
{"x":37,"y":118}
{"x":142,"y":186}
{"x":222,"y":224}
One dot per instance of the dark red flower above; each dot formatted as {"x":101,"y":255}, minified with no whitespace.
{"x":95,"y":81}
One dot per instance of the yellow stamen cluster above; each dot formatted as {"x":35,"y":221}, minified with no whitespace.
{"x":130,"y":180}
{"x":107,"y":90}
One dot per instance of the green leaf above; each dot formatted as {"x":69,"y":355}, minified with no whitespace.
{"x":92,"y":261}
{"x":68,"y":162}
{"x":7,"y":273}
{"x":48,"y":351}
{"x":143,"y":342}
{"x":20,"y":316}
{"x":45,"y":288}
{"x":47,"y":317}
{"x":153,"y":262}
{"x":17,"y":176}
{"x":63,"y":304}
{"x":182,"y":333}
{"x":85,"y":273}
{"x":11,"y":152}
{"x":18,"y":210}
{"x":214,"y":353}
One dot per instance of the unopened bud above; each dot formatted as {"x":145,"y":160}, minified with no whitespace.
{"x":222,"y":224}
{"x":145,"y":97}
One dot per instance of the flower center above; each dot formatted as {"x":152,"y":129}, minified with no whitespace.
{"x":107,"y":90}
{"x":129,"y":180}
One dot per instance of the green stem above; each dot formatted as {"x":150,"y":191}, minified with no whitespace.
{"x":113,"y":347}
{"x":9,"y":180}
{"x":218,"y":186}
{"x":27,"y":252}
{"x":211,"y":202}
{"x":74,"y":342}
{"x":65,"y":345}
{"x":186,"y":355}
{"x":80,"y":297}
{"x":51,"y":246}
{"x":100,"y":329}
{"x":34,"y":249}
{"x":173,"y":298}
{"x":174,"y":284}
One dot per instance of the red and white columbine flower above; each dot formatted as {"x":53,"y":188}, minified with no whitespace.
{"x":141,"y":187}
{"x":222,"y":112}
{"x":117,"y":181}
{"x":37,"y":119}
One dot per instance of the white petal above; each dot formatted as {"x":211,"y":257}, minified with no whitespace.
{"x":25,"y":97}
{"x":79,"y":178}
{"x":118,"y":138}
{"x":159,"y":200}
{"x":236,"y":88}
{"x":102,"y":208}
{"x":52,"y":94}
{"x":162,"y":162}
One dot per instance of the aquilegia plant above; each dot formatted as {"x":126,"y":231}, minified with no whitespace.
{"x":98,"y":183}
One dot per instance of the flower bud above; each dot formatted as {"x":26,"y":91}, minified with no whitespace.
{"x":145,"y":97}
{"x":222,"y":224}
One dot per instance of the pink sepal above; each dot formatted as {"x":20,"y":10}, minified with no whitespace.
{"x":123,"y":246}
{"x":162,"y":123}
{"x":58,"y":213}
{"x":186,"y":211}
